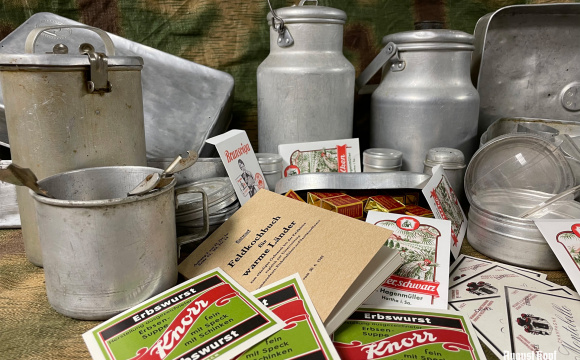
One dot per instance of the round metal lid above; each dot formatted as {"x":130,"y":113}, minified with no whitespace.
{"x":382,"y":157}
{"x":216,"y":189}
{"x":448,"y":157}
{"x":62,"y":60}
{"x":430,"y":36}
{"x":522,"y":161}
{"x":309,"y":13}
{"x":269,"y":162}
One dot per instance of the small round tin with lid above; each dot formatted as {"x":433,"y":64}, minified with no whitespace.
{"x":382,"y":160}
{"x":220,"y":194}
{"x":271,"y":166}
{"x":452,"y":161}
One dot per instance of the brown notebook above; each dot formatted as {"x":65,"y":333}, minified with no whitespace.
{"x":341,"y":260}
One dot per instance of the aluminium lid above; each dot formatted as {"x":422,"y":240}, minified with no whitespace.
{"x":449,"y":158}
{"x":18,"y":62}
{"x":309,"y":14}
{"x":382,"y":157}
{"x":442,"y":36}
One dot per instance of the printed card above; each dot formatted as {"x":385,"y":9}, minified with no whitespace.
{"x":563,"y":236}
{"x":467,"y":266}
{"x":445,"y":206}
{"x":207,"y":317}
{"x":321,"y":156}
{"x":304,"y":336}
{"x":488,"y":315}
{"x":397,"y":333}
{"x":544,"y":324}
{"x":491,"y":280}
{"x":422,"y":280}
{"x":565,"y":291}
{"x":241,"y":164}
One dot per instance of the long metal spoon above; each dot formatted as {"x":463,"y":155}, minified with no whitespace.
{"x":156,"y":180}
{"x":549,"y":202}
{"x":20,"y":176}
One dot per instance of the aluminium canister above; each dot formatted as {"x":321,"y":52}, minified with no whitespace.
{"x":70,"y":111}
{"x":426,"y":98}
{"x":305,"y":90}
{"x":453,"y":162}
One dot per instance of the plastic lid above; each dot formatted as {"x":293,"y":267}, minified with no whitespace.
{"x":308,"y":13}
{"x":448,"y":157}
{"x":430,"y":36}
{"x":380,"y":157}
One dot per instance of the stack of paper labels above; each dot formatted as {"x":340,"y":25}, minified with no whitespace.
{"x":515,"y":310}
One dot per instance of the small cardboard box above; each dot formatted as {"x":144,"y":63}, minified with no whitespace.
{"x":345,"y":205}
{"x":314,"y":198}
{"x":384,"y":203}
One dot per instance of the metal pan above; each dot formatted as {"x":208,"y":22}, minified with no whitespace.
{"x":353,"y":181}
{"x":527,"y":62}
{"x":184,"y":102}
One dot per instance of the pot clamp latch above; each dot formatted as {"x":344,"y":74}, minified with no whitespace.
{"x":285,"y":39}
{"x":98,"y":62}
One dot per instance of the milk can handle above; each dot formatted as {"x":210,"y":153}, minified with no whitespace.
{"x":384,"y":56}
{"x":186,"y":239}
{"x":33,"y":36}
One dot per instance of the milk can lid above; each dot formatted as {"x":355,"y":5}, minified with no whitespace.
{"x":309,"y":13}
{"x":429,"y":36}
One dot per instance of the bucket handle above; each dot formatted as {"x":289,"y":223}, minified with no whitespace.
{"x":186,"y":239}
{"x":33,"y":37}
{"x":390,"y":53}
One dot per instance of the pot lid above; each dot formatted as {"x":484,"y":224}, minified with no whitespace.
{"x":269,"y":162}
{"x":429,"y":36}
{"x":216,"y":189}
{"x":62,"y":60}
{"x":518,"y":161}
{"x":309,"y":13}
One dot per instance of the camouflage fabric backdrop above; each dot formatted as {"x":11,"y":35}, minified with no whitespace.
{"x":232,"y":35}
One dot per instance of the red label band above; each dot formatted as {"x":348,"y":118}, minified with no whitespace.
{"x":412,"y":285}
{"x":342,"y":158}
{"x":452,"y":340}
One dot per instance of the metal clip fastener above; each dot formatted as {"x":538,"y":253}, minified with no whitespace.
{"x":285,"y":39}
{"x":98,"y":75}
{"x":389,"y":54}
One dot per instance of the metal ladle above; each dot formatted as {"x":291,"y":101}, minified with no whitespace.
{"x":156,"y":180}
{"x":20,"y":176}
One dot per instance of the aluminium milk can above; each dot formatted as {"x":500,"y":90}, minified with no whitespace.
{"x":70,"y":110}
{"x":426,"y":98}
{"x":305,"y":85}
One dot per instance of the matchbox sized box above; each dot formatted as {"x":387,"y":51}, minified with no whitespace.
{"x":345,"y":205}
{"x":314,"y":198}
{"x":208,"y":317}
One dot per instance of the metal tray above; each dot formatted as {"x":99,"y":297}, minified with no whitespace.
{"x":184,"y":103}
{"x":527,"y":62}
{"x":353,"y":181}
{"x":9,"y":215}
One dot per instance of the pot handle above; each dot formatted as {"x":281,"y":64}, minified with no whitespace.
{"x":186,"y":239}
{"x":33,"y":36}
{"x":386,"y":55}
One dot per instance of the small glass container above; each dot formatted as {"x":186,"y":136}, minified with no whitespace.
{"x":382,"y":160}
{"x":271,"y":165}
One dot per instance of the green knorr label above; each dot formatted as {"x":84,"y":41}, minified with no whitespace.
{"x":208,"y":317}
{"x":303,"y":337}
{"x":398,"y":334}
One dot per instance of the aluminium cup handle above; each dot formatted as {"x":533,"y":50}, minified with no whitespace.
{"x":186,"y":239}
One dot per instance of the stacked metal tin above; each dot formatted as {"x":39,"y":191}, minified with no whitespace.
{"x":222,"y":203}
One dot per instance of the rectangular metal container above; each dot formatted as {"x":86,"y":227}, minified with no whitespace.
{"x":526,"y":63}
{"x":184,"y":102}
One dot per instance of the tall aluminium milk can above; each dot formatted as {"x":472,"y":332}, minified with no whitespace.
{"x":305,"y":85}
{"x":70,"y":111}
{"x":426,"y":98}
